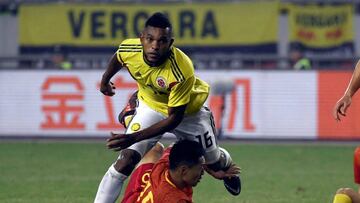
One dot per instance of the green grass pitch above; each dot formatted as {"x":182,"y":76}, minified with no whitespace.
{"x":49,"y":172}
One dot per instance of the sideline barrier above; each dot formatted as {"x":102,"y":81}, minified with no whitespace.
{"x":261,"y":104}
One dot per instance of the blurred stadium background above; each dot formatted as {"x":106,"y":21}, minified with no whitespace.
{"x":276,"y":69}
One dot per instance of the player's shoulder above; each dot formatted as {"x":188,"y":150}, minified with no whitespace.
{"x":181,"y":62}
{"x":179,"y":56}
{"x":129,"y":48}
{"x":131,"y":42}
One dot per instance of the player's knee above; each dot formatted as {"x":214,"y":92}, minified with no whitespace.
{"x":340,"y":191}
{"x":153,"y":155}
{"x":347,"y":191}
{"x":127,"y":161}
{"x":223,"y":162}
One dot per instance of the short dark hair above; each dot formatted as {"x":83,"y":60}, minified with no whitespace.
{"x":159,"y":20}
{"x":185,"y":152}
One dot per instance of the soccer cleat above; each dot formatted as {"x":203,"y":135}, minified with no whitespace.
{"x":129,"y":110}
{"x":233,"y":185}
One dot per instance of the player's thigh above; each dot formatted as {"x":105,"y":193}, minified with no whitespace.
{"x":200,"y":127}
{"x":144,"y":117}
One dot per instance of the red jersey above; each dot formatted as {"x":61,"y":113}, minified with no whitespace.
{"x":160,"y":188}
{"x":137,"y":183}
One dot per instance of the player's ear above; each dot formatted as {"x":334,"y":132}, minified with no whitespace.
{"x":183,"y":170}
{"x":142,"y":35}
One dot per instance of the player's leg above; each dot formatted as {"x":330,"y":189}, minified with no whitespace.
{"x":200,"y":127}
{"x":112,"y":182}
{"x":346,"y":195}
{"x":141,"y":175}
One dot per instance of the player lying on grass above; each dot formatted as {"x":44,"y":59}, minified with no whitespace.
{"x":349,"y":195}
{"x":169,"y":176}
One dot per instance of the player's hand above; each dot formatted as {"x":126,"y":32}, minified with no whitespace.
{"x":119,"y":141}
{"x":107,"y":89}
{"x":231,"y":172}
{"x":341,"y":107}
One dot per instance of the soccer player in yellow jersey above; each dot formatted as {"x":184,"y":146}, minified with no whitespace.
{"x":170,"y":99}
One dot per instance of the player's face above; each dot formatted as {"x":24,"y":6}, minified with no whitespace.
{"x":193,"y":175}
{"x":156,"y":44}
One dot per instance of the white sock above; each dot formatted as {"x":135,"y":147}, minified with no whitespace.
{"x":110,"y":186}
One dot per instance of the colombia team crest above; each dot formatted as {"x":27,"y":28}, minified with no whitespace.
{"x":160,"y":81}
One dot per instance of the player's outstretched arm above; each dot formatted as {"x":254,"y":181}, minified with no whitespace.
{"x":118,"y":142}
{"x":107,"y":87}
{"x":344,"y":102}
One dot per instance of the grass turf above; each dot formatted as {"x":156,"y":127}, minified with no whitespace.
{"x":271,"y":173}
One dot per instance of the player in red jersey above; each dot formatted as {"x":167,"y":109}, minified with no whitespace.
{"x":172,"y":177}
{"x":141,"y":175}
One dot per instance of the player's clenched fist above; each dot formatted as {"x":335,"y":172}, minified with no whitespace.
{"x":107,"y":89}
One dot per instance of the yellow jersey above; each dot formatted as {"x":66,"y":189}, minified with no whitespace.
{"x":171,"y":84}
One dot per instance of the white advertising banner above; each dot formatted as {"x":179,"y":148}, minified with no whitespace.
{"x":268,"y":104}
{"x":59,"y":103}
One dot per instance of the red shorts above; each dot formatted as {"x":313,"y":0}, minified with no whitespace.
{"x":137,"y":182}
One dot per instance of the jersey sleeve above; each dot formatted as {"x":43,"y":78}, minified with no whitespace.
{"x":357,"y":165}
{"x":119,"y":58}
{"x":127,"y":48}
{"x":118,"y":55}
{"x":181,"y":92}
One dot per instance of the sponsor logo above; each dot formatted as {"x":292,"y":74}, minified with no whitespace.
{"x":135,"y":127}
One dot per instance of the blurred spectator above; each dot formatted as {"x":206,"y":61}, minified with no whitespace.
{"x":299,"y":61}
{"x":60,"y":59}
